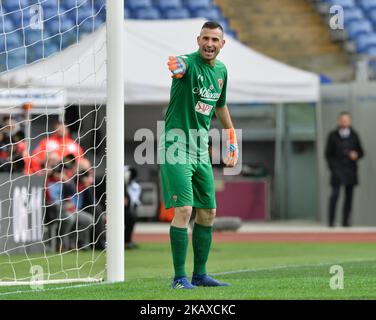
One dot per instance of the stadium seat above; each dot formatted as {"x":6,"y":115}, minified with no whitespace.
{"x":23,"y":3}
{"x":69,"y":4}
{"x":147,"y":13}
{"x":83,"y":13}
{"x":49,"y":13}
{"x":371,"y":51}
{"x":66,"y":20}
{"x":98,"y":23}
{"x":56,"y":39}
{"x":368,"y":5}
{"x":181,"y":13}
{"x":16,"y":58}
{"x":353,"y":14}
{"x":17,"y":18}
{"x":51,"y":45}
{"x":69,"y":37}
{"x":3,"y":66}
{"x":324,"y":79}
{"x":164,"y":5}
{"x":210,"y":13}
{"x":66,"y":24}
{"x":343,"y":3}
{"x":372,"y":17}
{"x":28,"y":3}
{"x":52,"y":25}
{"x":49,"y":4}
{"x":365,"y":41}
{"x":100,"y":12}
{"x":32,"y":36}
{"x":224,"y":23}
{"x":13,"y":40}
{"x":198,"y":4}
{"x":2,"y":43}
{"x":138,"y":4}
{"x":11,"y":6}
{"x":89,"y":26}
{"x":231,"y":34}
{"x":6,"y":25}
{"x":100,"y":4}
{"x":126,"y":13}
{"x":45,"y":34}
{"x":34,"y":52}
{"x":357,"y":28}
{"x":33,"y":2}
{"x":49,"y":48}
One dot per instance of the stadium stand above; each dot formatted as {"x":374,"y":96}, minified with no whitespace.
{"x":65,"y":22}
{"x":359,"y":36}
{"x":291,"y":31}
{"x":305,"y":41}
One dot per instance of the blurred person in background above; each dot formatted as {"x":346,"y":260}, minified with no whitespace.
{"x":61,"y":201}
{"x":13,"y":148}
{"x":84,"y":179}
{"x":343,"y":150}
{"x":131,"y":203}
{"x":58,"y":141}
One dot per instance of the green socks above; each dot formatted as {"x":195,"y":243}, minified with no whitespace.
{"x":201,"y":240}
{"x":179,"y":246}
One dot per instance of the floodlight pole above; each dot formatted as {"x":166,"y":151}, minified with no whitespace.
{"x":115,"y":140}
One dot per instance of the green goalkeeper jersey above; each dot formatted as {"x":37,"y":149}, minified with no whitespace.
{"x":193,"y":99}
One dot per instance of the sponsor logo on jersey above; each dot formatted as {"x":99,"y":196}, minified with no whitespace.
{"x":220,"y":83}
{"x":203,"y":108}
{"x":206,"y":94}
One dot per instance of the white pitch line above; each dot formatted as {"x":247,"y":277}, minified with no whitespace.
{"x":321,"y":264}
{"x":287,"y":266}
{"x":53,"y":289}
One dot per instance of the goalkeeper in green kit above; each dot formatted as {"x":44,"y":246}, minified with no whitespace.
{"x":198,"y":90}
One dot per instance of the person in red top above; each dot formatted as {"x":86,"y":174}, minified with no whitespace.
{"x":59,"y":142}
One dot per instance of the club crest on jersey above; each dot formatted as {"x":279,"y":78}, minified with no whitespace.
{"x":203,"y":108}
{"x":220,"y":83}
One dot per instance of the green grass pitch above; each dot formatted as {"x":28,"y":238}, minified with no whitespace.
{"x":254,"y":270}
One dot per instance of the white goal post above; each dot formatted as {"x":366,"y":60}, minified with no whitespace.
{"x":61,"y":142}
{"x":115,"y":141}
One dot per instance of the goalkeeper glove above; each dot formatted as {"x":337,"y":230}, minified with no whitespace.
{"x":232,"y":148}
{"x":177,"y":66}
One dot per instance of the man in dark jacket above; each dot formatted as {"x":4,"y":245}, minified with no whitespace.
{"x":343,"y":150}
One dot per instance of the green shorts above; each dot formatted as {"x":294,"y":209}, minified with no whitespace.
{"x":188,"y":185}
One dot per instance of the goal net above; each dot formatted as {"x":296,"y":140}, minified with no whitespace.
{"x":54,"y":220}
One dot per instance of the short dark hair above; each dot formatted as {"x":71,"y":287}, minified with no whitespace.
{"x":212,"y":25}
{"x":59,"y":123}
{"x":6,"y":118}
{"x":344,"y":113}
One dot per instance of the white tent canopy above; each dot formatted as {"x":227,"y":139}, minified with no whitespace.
{"x":81,"y":69}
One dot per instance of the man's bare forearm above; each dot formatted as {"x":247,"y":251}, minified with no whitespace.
{"x":224,"y":117}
